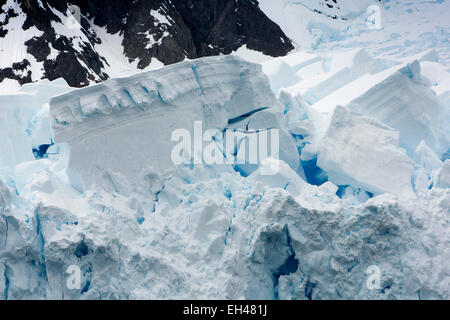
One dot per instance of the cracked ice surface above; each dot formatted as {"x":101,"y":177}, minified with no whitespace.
{"x":108,"y":199}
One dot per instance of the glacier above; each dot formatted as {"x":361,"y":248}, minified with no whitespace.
{"x":107,"y":198}
{"x":113,"y":118}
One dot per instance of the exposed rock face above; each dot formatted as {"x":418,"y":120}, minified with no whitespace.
{"x":166,"y":30}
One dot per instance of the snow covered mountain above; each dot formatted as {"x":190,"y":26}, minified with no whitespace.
{"x":42,"y":39}
{"x":352,"y":203}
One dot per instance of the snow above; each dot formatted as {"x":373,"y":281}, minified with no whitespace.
{"x":407,"y":27}
{"x":117,"y":65}
{"x":404,"y":102}
{"x":437,"y":74}
{"x":161,"y":18}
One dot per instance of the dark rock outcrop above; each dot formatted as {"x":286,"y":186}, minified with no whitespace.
{"x":168,"y":30}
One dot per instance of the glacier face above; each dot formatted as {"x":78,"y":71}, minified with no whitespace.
{"x":123,"y":125}
{"x":107,"y":199}
{"x":358,"y":207}
{"x":89,"y":42}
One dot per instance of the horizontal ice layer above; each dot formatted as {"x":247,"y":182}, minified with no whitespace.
{"x":125,"y":125}
{"x":360,"y":151}
{"x":444,"y":175}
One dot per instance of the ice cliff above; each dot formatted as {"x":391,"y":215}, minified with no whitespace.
{"x":351,"y":193}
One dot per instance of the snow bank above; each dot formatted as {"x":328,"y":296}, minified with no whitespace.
{"x":444,"y":175}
